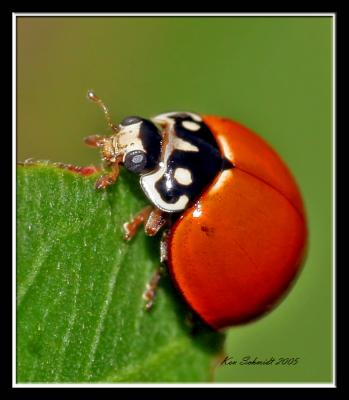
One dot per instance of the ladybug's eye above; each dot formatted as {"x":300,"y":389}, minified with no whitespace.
{"x":130,"y":120}
{"x":135,"y":160}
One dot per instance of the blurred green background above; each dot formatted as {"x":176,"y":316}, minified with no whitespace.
{"x":271,"y":73}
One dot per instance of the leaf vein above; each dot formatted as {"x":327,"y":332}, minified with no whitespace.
{"x":173,"y":346}
{"x":71,"y":322}
{"x":32,"y":275}
{"x":104,"y":312}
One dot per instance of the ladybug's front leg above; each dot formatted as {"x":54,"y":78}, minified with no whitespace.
{"x":156,"y":220}
{"x":131,"y":227}
{"x":106,"y":180}
{"x":104,"y":142}
{"x":95,"y":140}
{"x":153,"y":219}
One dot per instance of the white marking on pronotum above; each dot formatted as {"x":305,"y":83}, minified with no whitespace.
{"x":191,"y":126}
{"x":167,"y":117}
{"x":148,"y":181}
{"x":183,"y":176}
{"x":169,"y":183}
{"x":180,"y":144}
{"x":129,"y":137}
{"x":195,"y":117}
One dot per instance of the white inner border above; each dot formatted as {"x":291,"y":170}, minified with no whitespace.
{"x":14,"y":144}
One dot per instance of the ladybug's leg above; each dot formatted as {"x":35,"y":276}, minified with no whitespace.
{"x":150,"y":293}
{"x":151,"y":290}
{"x":131,"y":228}
{"x":153,"y":220}
{"x":107,"y":180}
{"x":163,"y":247}
{"x":95,"y":140}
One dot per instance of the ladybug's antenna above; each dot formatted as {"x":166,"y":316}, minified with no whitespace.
{"x":91,"y":96}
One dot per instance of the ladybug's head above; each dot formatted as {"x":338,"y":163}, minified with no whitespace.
{"x":138,"y":141}
{"x":135,"y":143}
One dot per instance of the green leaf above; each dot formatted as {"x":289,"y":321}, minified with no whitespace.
{"x":80,"y":312}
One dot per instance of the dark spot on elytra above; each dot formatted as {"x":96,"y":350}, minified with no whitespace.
{"x":207,"y":230}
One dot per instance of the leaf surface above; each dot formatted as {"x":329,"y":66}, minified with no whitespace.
{"x":80,"y":312}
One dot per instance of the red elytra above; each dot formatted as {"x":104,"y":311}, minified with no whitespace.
{"x":236,"y":251}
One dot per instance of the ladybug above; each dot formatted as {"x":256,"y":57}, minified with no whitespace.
{"x":236,"y":226}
